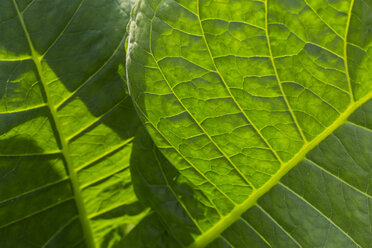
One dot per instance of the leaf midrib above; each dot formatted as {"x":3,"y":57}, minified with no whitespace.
{"x":235,"y":214}
{"x":88,"y":235}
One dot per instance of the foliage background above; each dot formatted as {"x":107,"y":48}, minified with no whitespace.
{"x":233,"y":93}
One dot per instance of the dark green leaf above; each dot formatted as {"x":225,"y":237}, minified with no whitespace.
{"x":66,"y":124}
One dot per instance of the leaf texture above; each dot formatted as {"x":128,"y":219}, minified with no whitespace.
{"x":237,"y":93}
{"x":325,"y":201}
{"x":66,"y":124}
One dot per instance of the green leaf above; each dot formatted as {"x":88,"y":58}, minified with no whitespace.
{"x":236,"y":93}
{"x":306,"y":209}
{"x":149,"y":233}
{"x":66,"y":124}
{"x":183,"y":207}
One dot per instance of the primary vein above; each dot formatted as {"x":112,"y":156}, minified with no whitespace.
{"x":64,"y":145}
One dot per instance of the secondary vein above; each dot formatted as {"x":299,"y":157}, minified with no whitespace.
{"x":345,"y":52}
{"x":231,"y":95}
{"x":278,"y":78}
{"x":249,"y":183}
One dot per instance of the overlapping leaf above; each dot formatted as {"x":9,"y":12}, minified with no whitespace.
{"x":236,"y":93}
{"x":66,"y":124}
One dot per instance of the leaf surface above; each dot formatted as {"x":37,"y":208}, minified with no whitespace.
{"x":66,"y":124}
{"x":306,"y":209}
{"x":237,"y":93}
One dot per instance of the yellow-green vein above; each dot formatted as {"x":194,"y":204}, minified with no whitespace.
{"x":64,"y":146}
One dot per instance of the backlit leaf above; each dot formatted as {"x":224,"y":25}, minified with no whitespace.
{"x":236,"y":93}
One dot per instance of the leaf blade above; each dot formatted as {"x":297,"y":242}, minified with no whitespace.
{"x":258,"y":59}
{"x":60,"y":126}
